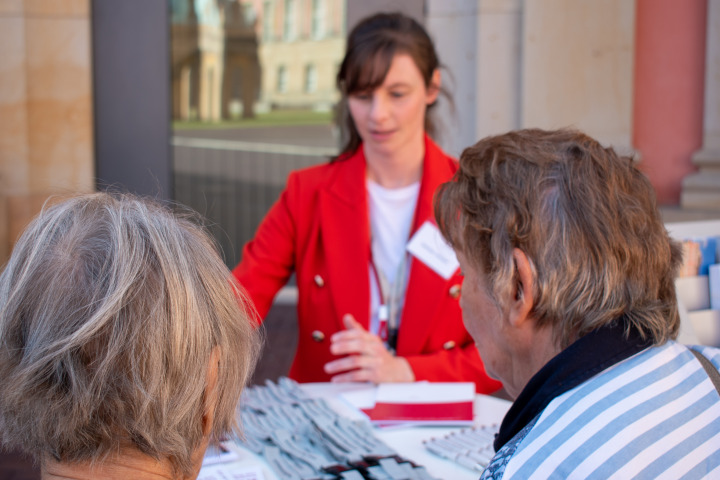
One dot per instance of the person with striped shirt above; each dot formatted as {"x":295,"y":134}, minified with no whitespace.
{"x":569,"y":295}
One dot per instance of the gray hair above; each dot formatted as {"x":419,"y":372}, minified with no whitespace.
{"x":586,"y":219}
{"x":111,"y":307}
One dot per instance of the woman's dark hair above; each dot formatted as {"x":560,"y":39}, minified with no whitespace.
{"x":371,"y":47}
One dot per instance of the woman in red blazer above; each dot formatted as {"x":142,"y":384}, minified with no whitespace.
{"x":367,"y":309}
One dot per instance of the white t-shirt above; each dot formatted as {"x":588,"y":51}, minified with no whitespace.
{"x":391,"y":212}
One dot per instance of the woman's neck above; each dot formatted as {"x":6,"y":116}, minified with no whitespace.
{"x":121,"y":466}
{"x":397,"y":169}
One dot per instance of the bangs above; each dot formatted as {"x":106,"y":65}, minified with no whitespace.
{"x":367,"y":69}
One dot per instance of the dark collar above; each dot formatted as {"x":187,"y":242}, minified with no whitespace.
{"x":588,"y":356}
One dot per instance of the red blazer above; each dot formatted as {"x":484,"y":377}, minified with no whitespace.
{"x":319,"y":228}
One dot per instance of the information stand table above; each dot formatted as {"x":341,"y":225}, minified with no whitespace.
{"x":406,"y":440}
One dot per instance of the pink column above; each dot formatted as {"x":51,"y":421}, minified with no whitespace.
{"x":669,"y":90}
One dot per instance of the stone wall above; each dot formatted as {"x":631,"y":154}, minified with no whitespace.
{"x":46,"y":131}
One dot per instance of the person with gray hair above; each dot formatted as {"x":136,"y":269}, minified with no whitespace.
{"x":569,"y":295}
{"x":124,"y":341}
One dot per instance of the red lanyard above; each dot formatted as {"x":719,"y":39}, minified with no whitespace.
{"x":383,"y":309}
{"x":387,"y":330}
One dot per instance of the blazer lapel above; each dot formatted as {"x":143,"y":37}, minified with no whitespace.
{"x":426,"y":288}
{"x":346,"y":237}
{"x":437,"y":169}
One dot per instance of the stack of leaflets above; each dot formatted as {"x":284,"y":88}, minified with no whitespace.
{"x":303,"y":438}
{"x":419,"y":403}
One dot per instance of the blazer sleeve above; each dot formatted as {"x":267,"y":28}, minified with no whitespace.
{"x":268,"y":259}
{"x":460,"y":364}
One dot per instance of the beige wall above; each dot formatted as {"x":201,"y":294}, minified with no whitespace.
{"x":540,"y":63}
{"x":578,"y":67}
{"x":46,"y":142}
{"x":535,"y":63}
{"x":568,"y":63}
{"x":478,"y":42}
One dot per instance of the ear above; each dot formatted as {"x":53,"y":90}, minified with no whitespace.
{"x":522,"y":298}
{"x":211,"y":392}
{"x":433,"y":89}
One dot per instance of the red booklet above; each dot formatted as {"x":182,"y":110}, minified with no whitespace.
{"x":429,"y":403}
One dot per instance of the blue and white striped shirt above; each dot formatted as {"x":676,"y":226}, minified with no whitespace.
{"x":654,"y":415}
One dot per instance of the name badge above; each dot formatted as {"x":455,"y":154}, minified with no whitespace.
{"x":429,"y":246}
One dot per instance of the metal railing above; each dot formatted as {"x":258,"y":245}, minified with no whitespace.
{"x":234,"y":183}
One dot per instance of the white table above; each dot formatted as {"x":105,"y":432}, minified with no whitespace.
{"x":407,"y":441}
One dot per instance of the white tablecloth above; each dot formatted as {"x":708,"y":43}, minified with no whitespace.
{"x":407,"y":441}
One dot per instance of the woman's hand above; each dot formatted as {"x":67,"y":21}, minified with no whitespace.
{"x":367,"y":358}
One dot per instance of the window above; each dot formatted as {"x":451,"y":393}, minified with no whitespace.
{"x":317,"y":26}
{"x":289,"y":32}
{"x":267,"y":21}
{"x":310,"y":78}
{"x":282,"y":79}
{"x":268,"y":70}
{"x":249,"y":14}
{"x":210,"y":91}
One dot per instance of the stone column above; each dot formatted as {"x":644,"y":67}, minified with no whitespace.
{"x":702,"y":189}
{"x":46,"y":130}
{"x":478,"y":42}
{"x":669,"y":78}
{"x":578,"y":67}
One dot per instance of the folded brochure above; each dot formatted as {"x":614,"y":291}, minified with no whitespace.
{"x":429,"y":403}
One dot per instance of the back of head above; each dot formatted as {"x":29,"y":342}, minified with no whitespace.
{"x":371,"y":46}
{"x":585,"y":217}
{"x":111,"y":308}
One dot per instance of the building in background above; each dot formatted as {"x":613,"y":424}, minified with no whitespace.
{"x":302,"y":43}
{"x":641,"y":75}
{"x":214,"y":56}
{"x":234,"y":58}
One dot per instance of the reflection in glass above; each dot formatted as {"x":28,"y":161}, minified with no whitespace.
{"x":310,"y":78}
{"x":289,"y":20}
{"x":317,"y":28}
{"x":253,"y":87}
